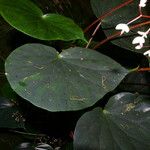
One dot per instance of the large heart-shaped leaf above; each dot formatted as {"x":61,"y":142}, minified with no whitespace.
{"x":124,"y":124}
{"x":10,"y":116}
{"x":28,"y":18}
{"x":75,"y":79}
{"x":122,"y":15}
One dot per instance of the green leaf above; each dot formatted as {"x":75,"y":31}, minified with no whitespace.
{"x":138,"y":82}
{"x":121,"y":15}
{"x":70,"y":8}
{"x":26,"y":17}
{"x":124,"y":124}
{"x":74,"y":79}
{"x":104,"y":6}
{"x":10,"y":116}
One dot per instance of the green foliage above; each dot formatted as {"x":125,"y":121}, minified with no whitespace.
{"x":58,"y":75}
{"x":123,"y":15}
{"x":123,"y":124}
{"x":72,"y":80}
{"x":29,"y":19}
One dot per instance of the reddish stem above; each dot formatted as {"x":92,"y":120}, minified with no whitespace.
{"x":146,"y":46}
{"x":140,"y":11}
{"x":118,"y":33}
{"x":143,"y":69}
{"x":107,"y":14}
{"x":93,"y":34}
{"x":145,"y":16}
{"x":71,"y":135}
{"x":140,"y":24}
{"x":106,"y":40}
{"x":133,"y":20}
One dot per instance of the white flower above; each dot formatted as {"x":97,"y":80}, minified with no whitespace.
{"x":142,"y":3}
{"x":147,"y":53}
{"x":123,"y":27}
{"x":138,"y":40}
{"x":139,"y":46}
{"x":144,"y":34}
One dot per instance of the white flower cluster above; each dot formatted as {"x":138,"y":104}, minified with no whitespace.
{"x":139,"y":40}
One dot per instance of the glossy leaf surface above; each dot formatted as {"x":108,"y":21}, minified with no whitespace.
{"x":74,"y":79}
{"x":29,"y":19}
{"x":124,"y":124}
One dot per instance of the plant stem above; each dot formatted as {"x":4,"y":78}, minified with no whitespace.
{"x":138,"y":17}
{"x":106,"y":40}
{"x":107,"y":14}
{"x":118,"y":33}
{"x":145,"y":16}
{"x":140,"y":24}
{"x":143,"y":69}
{"x":93,"y":34}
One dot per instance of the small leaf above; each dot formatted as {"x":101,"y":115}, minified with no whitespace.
{"x":26,"y":17}
{"x":74,"y":79}
{"x":124,"y":124}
